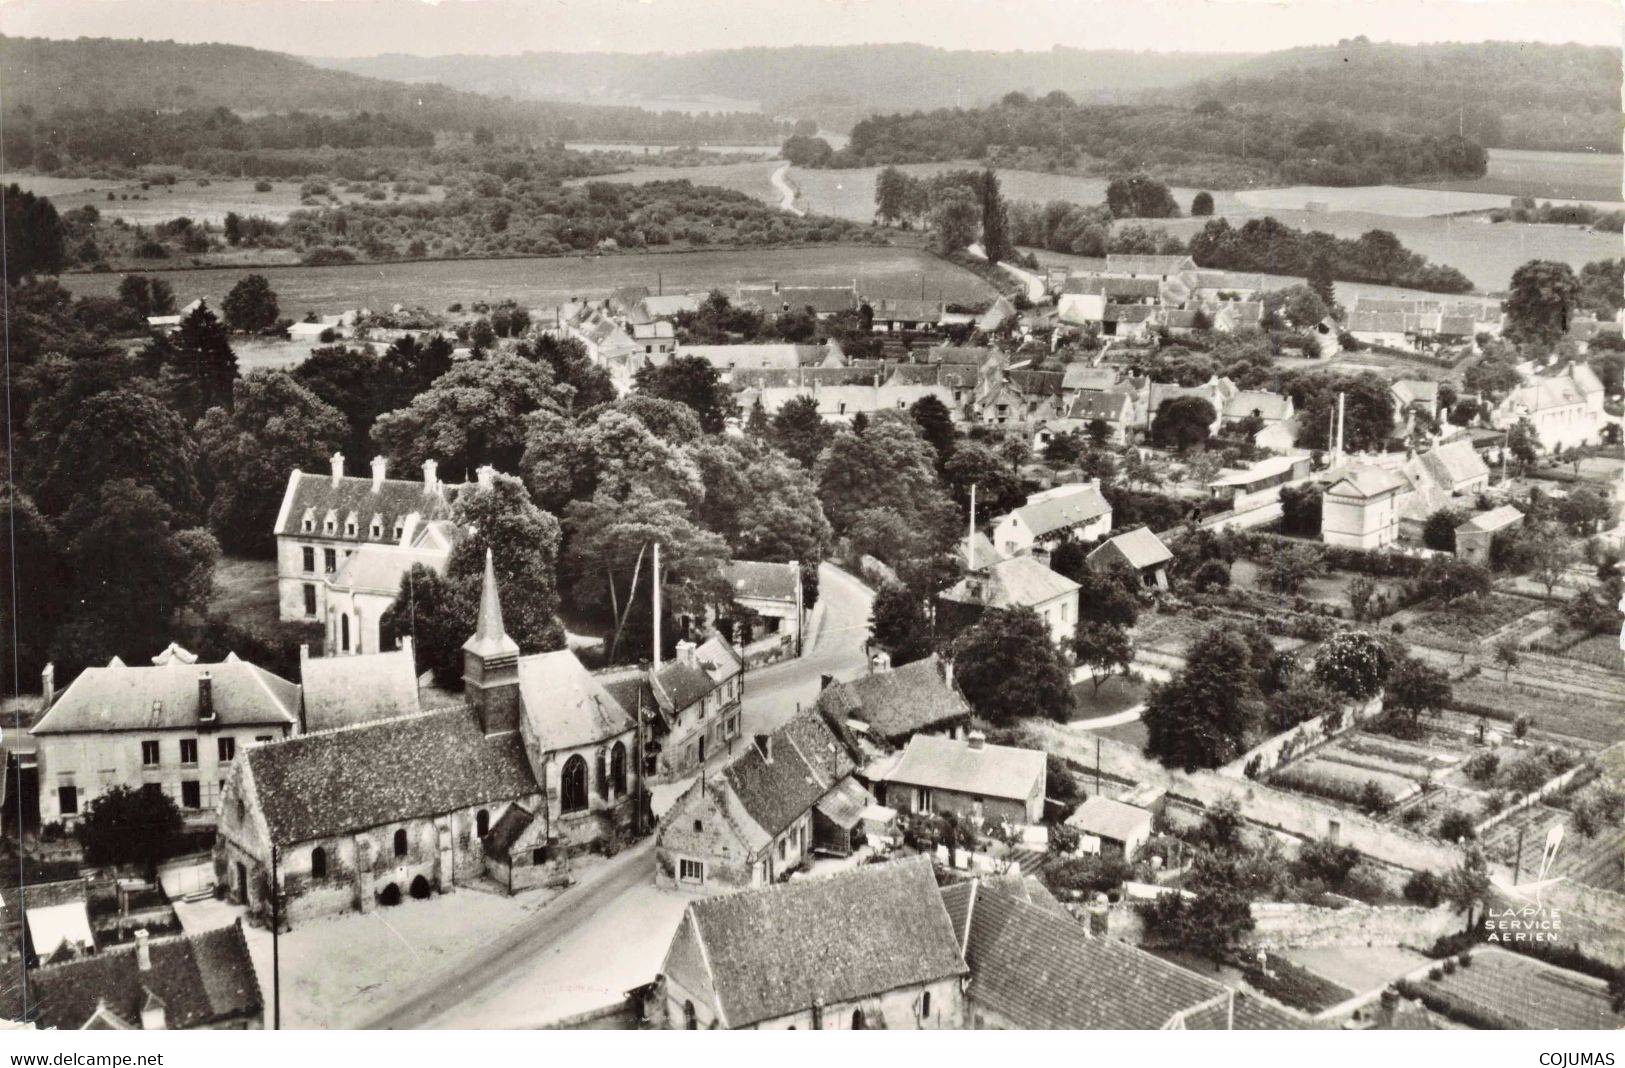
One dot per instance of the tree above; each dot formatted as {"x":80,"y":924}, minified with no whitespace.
{"x":571,"y":367}
{"x":276,"y":426}
{"x":936,"y":426}
{"x":1352,"y":663}
{"x":898,"y":624}
{"x":436,"y":613}
{"x":888,"y":465}
{"x":995,"y":226}
{"x":1506,"y":654}
{"x":1523,"y":441}
{"x":1183,"y":422}
{"x":409,"y":366}
{"x":763,"y":504}
{"x":1290,"y":567}
{"x":471,"y":416}
{"x":1103,"y":647}
{"x":350,"y":381}
{"x":1300,"y":510}
{"x":197,"y":363}
{"x":1204,"y":715}
{"x":955,"y":217}
{"x":1360,"y":592}
{"x":146,"y":296}
{"x":125,"y":826}
{"x":1540,"y":301}
{"x":1108,"y":595}
{"x":251,"y":306}
{"x":807,"y":151}
{"x":1009,"y":670}
{"x":799,"y":431}
{"x":122,"y":434}
{"x":1468,"y":884}
{"x":1414,"y":688}
{"x":998,"y":484}
{"x":1212,"y":924}
{"x":1320,"y":280}
{"x":524,"y":543}
{"x":33,"y":235}
{"x":1439,"y":531}
{"x":1140,"y":196}
{"x":35,"y":599}
{"x":691,"y":380}
{"x":891,"y":195}
{"x":1550,"y":555}
{"x":1202,"y":204}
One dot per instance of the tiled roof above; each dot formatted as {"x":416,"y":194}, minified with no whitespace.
{"x":199,"y":979}
{"x":1112,"y":406}
{"x":1376,"y":322}
{"x":1455,"y":464}
{"x":341,"y":691}
{"x":1041,"y":970}
{"x":507,"y":830}
{"x":1492,"y":520}
{"x":1140,"y":547}
{"x":1128,"y":313}
{"x":15,"y":900}
{"x":1049,"y":514}
{"x":908,"y":311}
{"x":1107,"y":818}
{"x":662,"y":305}
{"x":983,"y":770}
{"x":1041,"y":383}
{"x":775,"y":356}
{"x":779,"y":377}
{"x":1271,"y":407}
{"x":823,"y":300}
{"x":808,"y":760}
{"x":898,"y":702}
{"x":394,"y":500}
{"x":340,"y":781}
{"x":1556,"y":392}
{"x":1082,"y":376}
{"x":565,"y":705}
{"x":678,"y":685}
{"x":978,"y":552}
{"x":1131,"y":264}
{"x":1019,"y":582}
{"x":775,"y":951}
{"x":121,"y":697}
{"x":763,"y":581}
{"x":964,"y":355}
{"x":1366,"y":481}
{"x":1412,"y":390}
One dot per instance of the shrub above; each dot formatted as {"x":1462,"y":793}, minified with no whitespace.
{"x":1424,"y":888}
{"x":1455,"y":825}
{"x":262,"y":186}
{"x":1482,"y":767}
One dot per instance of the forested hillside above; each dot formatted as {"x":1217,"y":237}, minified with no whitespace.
{"x":1501,"y":94}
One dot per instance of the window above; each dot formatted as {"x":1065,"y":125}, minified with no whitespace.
{"x":858,"y":1023}
{"x":925,"y":1003}
{"x":149,"y":754}
{"x":308,"y":525}
{"x":691,"y":1019}
{"x":482,"y":822}
{"x":344,"y":633}
{"x":228,"y":749}
{"x":330,"y":524}
{"x":318,"y":863}
{"x":538,"y":855}
{"x":573,"y":785}
{"x":699,"y":826}
{"x":400,"y":842}
{"x":617,"y":769}
{"x":691,"y":871}
{"x":784,"y":844}
{"x":189,"y":751}
{"x":349,"y":528}
{"x":67,"y":800}
{"x":376,"y":531}
{"x":310,"y":599}
{"x":262,"y":738}
{"x":330,"y":560}
{"x":310,"y":558}
{"x":191,"y":795}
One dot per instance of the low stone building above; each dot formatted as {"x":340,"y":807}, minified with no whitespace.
{"x":1476,"y":537}
{"x":869,"y":948}
{"x":890,"y":705}
{"x":1140,"y":551}
{"x":349,"y":817}
{"x":947,"y":776}
{"x":771,"y":593}
{"x":1110,"y":827}
{"x":1019,"y":582}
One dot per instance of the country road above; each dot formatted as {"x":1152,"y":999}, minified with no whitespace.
{"x":787,"y":192}
{"x":609,"y":933}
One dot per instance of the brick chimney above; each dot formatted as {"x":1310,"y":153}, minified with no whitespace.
{"x":47,"y":686}
{"x":764,"y":742}
{"x":338,"y":467}
{"x":976,"y":739}
{"x":431,"y":480}
{"x":686,"y":653}
{"x":205,"y":698}
{"x":379,"y":465}
{"x":143,"y":952}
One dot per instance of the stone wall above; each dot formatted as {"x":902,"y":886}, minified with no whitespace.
{"x":1275,"y":751}
{"x":1286,"y":925}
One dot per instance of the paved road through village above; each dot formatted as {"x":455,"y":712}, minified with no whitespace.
{"x":609,"y":933}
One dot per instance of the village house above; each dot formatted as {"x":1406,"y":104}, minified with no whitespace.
{"x":906,"y":316}
{"x":1162,"y":268}
{"x":343,"y":691}
{"x":658,"y":339}
{"x":1140,"y":551}
{"x":44,"y":923}
{"x":1386,"y":329}
{"x":771,"y":594}
{"x":888,"y":705}
{"x":1216,"y":391}
{"x":760,"y":818}
{"x":966,"y":777}
{"x":325,"y":519}
{"x":1114,"y":409}
{"x":776,"y":299}
{"x":1018,"y":582}
{"x":1565,"y":407}
{"x":868,"y":948}
{"x":346,"y":818}
{"x":697,"y":695}
{"x":1275,"y":413}
{"x":1111,"y":828}
{"x":1414,"y":394}
{"x":1456,"y":467}
{"x":1260,"y":481}
{"x":368,"y":580}
{"x":189,"y":982}
{"x":1476,"y":536}
{"x":1361,"y":508}
{"x":177,"y":726}
{"x":767,"y":356}
{"x":1075,"y":512}
{"x":1083,"y":378}
{"x":843,"y":403}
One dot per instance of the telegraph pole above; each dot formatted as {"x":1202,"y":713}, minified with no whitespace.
{"x":276,"y":945}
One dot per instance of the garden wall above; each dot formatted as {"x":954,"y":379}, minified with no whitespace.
{"x":1273,"y":752}
{"x":1284,"y":925}
{"x":1534,"y":797}
{"x":1590,"y":920}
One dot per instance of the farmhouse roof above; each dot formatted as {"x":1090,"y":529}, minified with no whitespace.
{"x":1130,"y":264}
{"x":805,"y":760}
{"x":1140,"y":547}
{"x":966,"y":355}
{"x":776,"y":951}
{"x":1493,"y":520}
{"x":1080,"y":376}
{"x":1107,"y":818}
{"x":1271,"y":407}
{"x":1376,"y":322}
{"x":984,"y":770}
{"x":678,"y":685}
{"x":776,"y":356}
{"x":1019,"y":582}
{"x":166,"y":696}
{"x":1366,"y":481}
{"x":899,"y":701}
{"x":1040,"y":383}
{"x":1047,"y":514}
{"x":1114,"y":406}
{"x":908,"y":311}
{"x":340,"y":691}
{"x":1455,"y":464}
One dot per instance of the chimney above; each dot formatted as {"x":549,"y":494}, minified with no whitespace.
{"x":484,"y":475}
{"x":143,"y":952}
{"x":338,"y":467}
{"x":431,"y":480}
{"x":764,"y":742}
{"x":378,"y":467}
{"x":976,"y":739}
{"x":205,"y":698}
{"x":948,"y":673}
{"x":880,"y":663}
{"x":47,"y":685}
{"x":686,"y":653}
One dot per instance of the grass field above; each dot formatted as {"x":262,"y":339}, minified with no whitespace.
{"x":160,"y":203}
{"x":245,"y":592}
{"x":751,"y":178}
{"x":547,"y":282}
{"x":1547,"y":176}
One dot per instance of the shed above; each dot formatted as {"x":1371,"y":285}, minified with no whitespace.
{"x":1111,"y":827}
{"x":1475,"y":537}
{"x":1141,"y":550}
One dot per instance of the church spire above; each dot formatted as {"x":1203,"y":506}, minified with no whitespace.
{"x":490,"y":636}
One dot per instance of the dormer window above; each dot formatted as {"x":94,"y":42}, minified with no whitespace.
{"x":400,"y":528}
{"x":376,"y":531}
{"x":330,"y":524}
{"x":308,"y":523}
{"x":350,"y":525}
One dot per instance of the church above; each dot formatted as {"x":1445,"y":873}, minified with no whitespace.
{"x":538,"y":765}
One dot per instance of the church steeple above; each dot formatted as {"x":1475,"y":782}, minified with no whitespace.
{"x":491,"y":662}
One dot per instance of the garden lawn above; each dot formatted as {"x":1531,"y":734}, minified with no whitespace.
{"x":1115,"y":695}
{"x":245,"y":593}
{"x":1331,"y":588}
{"x":1547,"y":997}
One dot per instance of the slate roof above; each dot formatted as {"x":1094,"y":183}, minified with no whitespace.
{"x":1491,"y":521}
{"x":1082,"y":376}
{"x":340,"y":691}
{"x":761,"y":580}
{"x":908,"y":311}
{"x":1133,"y":264}
{"x":1272,"y":407}
{"x":963,"y":355}
{"x":14,"y":901}
{"x":1455,"y":464}
{"x":774,"y":951}
{"x":394,"y":499}
{"x":1041,"y":970}
{"x":824,"y":300}
{"x":565,"y":705}
{"x":677,"y":685}
{"x":1049,"y":514}
{"x":1366,"y":481}
{"x":898,"y":702}
{"x":341,"y":781}
{"x":1019,"y":582}
{"x":774,"y":356}
{"x":1109,"y":406}
{"x":986,"y":771}
{"x":1140,"y":547}
{"x":122,"y":697}
{"x":808,"y":760}
{"x":1043,"y":383}
{"x":1376,"y":322}
{"x":200,"y":979}
{"x":977,"y":552}
{"x":1107,"y":818}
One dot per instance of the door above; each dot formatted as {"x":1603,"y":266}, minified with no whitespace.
{"x":242,"y":882}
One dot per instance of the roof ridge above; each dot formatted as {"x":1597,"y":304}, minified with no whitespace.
{"x":328,"y":732}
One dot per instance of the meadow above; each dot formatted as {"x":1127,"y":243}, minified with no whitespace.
{"x":541,"y":283}
{"x":187,"y":197}
{"x":1547,"y":176}
{"x":752,"y":178}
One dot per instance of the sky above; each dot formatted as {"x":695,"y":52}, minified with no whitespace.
{"x":437,"y":27}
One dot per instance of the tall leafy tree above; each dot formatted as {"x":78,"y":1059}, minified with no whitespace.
{"x":470,"y":416}
{"x":1202,"y":717}
{"x":1009,"y":669}
{"x":936,"y":426}
{"x":1183,"y":422}
{"x":898,"y":624}
{"x":33,"y":601}
{"x":692,"y":381}
{"x":196,"y":363}
{"x":33,"y":234}
{"x":146,"y":295}
{"x":129,"y":826}
{"x":571,"y":367}
{"x":1540,"y":301}
{"x":524,"y":544}
{"x":995,"y":225}
{"x":799,"y":431}
{"x":151,"y":446}
{"x":350,"y":380}
{"x":277,"y":425}
{"x":887,"y":465}
{"x":251,"y":306}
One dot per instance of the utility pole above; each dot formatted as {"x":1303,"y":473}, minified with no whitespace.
{"x":970,"y":538}
{"x":657,"y":606}
{"x":276,"y":944}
